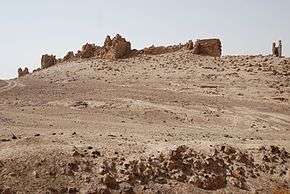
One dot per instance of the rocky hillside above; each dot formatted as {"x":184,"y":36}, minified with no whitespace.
{"x":2,"y":83}
{"x":175,"y":122}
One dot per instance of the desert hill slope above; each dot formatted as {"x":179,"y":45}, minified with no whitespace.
{"x":2,"y":83}
{"x":99,"y":126}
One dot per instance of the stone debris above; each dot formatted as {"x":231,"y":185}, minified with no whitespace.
{"x":80,"y":104}
{"x":225,"y":165}
{"x":7,"y":190}
{"x":110,"y":181}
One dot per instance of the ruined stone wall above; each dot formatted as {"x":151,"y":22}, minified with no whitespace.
{"x":116,"y":48}
{"x":166,"y":49}
{"x":209,"y":47}
{"x":88,"y":51}
{"x":160,"y":49}
{"x":48,"y":61}
{"x":24,"y":72}
{"x":70,"y":55}
{"x":119,"y":47}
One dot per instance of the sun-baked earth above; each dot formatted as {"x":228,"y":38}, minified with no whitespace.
{"x":171,"y":123}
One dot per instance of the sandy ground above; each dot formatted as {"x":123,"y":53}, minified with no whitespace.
{"x":2,"y":83}
{"x":72,"y":128}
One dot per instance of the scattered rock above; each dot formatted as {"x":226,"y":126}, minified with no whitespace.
{"x":73,"y":190}
{"x":8,"y":190}
{"x":5,"y":140}
{"x":13,"y":136}
{"x":96,"y":154}
{"x":80,"y":104}
{"x":208,"y":172}
{"x":110,"y":181}
{"x":126,"y":188}
{"x":35,"y":174}
{"x":99,"y":189}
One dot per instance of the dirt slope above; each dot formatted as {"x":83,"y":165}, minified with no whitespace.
{"x":2,"y":83}
{"x":172,"y":123}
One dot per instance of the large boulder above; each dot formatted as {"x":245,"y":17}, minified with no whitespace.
{"x":209,"y":47}
{"x":24,"y":72}
{"x":116,"y":48}
{"x":48,"y":61}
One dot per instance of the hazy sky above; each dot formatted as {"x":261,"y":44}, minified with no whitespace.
{"x":30,"y":28}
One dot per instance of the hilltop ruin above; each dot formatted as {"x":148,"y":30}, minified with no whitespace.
{"x":277,"y":50}
{"x":48,"y":61}
{"x":22,"y":73}
{"x":210,"y":47}
{"x":120,"y":48}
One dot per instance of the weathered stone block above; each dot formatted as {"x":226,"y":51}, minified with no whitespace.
{"x":47,"y":61}
{"x":24,"y":72}
{"x":209,"y":47}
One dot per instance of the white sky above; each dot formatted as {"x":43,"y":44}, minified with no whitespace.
{"x":31,"y":28}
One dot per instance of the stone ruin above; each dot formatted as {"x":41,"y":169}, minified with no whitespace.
{"x":70,"y":55}
{"x":119,"y":48}
{"x":88,"y":51}
{"x":189,"y":45}
{"x":115,"y":48}
{"x":152,"y":50}
{"x":48,"y":61}
{"x":24,"y":72}
{"x":208,"y":47}
{"x":277,"y":50}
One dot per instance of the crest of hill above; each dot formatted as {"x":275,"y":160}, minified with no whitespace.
{"x":120,"y":48}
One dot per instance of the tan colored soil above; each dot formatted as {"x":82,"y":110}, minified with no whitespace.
{"x":73,"y":119}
